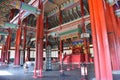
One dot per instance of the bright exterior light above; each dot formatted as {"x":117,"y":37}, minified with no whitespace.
{"x":3,"y":73}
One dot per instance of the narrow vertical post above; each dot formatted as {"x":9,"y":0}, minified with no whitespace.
{"x":24,"y":42}
{"x":3,"y":53}
{"x":60,"y":16}
{"x":86,"y":51}
{"x":61,"y":42}
{"x":61,"y":53}
{"x":28,"y":53}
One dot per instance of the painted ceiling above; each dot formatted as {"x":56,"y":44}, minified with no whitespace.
{"x":70,"y":12}
{"x":5,"y":7}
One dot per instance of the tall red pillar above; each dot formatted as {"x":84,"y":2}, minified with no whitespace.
{"x":102,"y":52}
{"x":112,"y":37}
{"x":61,"y":54}
{"x":86,"y":42}
{"x":95,"y":45}
{"x":61,"y":47}
{"x":116,"y":26}
{"x":117,"y":37}
{"x":8,"y":44}
{"x":18,"y":41}
{"x":39,"y":41}
{"x":17,"y":47}
{"x":61,"y":41}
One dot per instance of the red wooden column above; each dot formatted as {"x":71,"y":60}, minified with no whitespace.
{"x":3,"y":53}
{"x":24,"y":43}
{"x":17,"y":47}
{"x":112,"y":37}
{"x":24,"y":35}
{"x":28,"y":53}
{"x":39,"y":41}
{"x":8,"y":44}
{"x":102,"y":40}
{"x":116,"y":26}
{"x":94,"y":38}
{"x":61,"y":41}
{"x":18,"y":41}
{"x":61,"y":53}
{"x":86,"y":43}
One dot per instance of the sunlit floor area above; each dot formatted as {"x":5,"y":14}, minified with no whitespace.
{"x":17,"y":73}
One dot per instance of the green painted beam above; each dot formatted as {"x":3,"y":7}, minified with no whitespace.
{"x":29,"y":8}
{"x":26,"y":7}
{"x":71,"y":31}
{"x":3,"y":33}
{"x":10,"y":25}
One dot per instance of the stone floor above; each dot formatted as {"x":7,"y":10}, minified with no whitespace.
{"x":116,"y":75}
{"x":17,"y":73}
